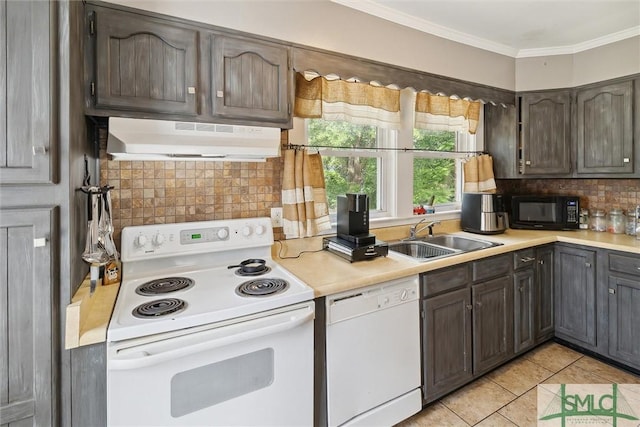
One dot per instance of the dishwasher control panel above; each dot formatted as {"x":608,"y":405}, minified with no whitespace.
{"x":358,"y":302}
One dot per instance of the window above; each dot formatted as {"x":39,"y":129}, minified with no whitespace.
{"x":395,"y":180}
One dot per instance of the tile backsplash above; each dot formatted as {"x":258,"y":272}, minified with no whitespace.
{"x":594,"y":193}
{"x":159,"y":192}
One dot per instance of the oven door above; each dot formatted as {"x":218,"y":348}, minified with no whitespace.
{"x":257,"y":370}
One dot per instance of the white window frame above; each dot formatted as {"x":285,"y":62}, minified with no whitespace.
{"x":395,"y":196}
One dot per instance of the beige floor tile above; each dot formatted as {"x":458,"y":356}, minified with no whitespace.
{"x":607,"y":372}
{"x":553,"y":356}
{"x":519,"y":376}
{"x":478,"y":400}
{"x":435,"y":415}
{"x":573,"y":374}
{"x":523,"y":411}
{"x":495,"y":420}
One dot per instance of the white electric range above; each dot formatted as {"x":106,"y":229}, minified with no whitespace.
{"x":206,"y":324}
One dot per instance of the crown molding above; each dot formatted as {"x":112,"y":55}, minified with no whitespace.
{"x":373,"y":8}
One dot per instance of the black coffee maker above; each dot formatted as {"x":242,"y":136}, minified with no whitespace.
{"x":353,"y":241}
{"x":353,"y":219}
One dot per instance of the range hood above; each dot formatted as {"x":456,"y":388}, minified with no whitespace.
{"x":143,"y":139}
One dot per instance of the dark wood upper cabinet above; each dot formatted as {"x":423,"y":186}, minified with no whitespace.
{"x":545,"y":138}
{"x":27,"y":130}
{"x":250,"y":79}
{"x":605,"y":129}
{"x":143,"y":63}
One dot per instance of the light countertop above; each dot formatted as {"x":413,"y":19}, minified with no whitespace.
{"x":328,"y":274}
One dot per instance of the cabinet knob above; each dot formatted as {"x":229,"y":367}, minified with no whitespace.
{"x":478,"y":304}
{"x":191,"y":90}
{"x":527,"y":162}
{"x":521,"y":288}
{"x":587,"y":264}
{"x":541,"y":262}
{"x":469,"y":307}
{"x":612,"y":291}
{"x":219,"y":94}
{"x":626,"y":160}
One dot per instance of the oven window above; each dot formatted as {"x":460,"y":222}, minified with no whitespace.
{"x":537,"y":212}
{"x":218,"y":382}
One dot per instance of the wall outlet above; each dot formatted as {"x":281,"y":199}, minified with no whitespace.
{"x":276,"y":217}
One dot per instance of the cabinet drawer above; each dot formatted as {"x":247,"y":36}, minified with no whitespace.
{"x":624,"y":264}
{"x":444,"y":280}
{"x":524,"y":258}
{"x":491,"y":267}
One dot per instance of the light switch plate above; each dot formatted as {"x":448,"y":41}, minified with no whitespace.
{"x":276,"y":217}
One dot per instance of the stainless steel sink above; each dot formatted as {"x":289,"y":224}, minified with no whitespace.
{"x":429,"y":248}
{"x":464,"y":244}
{"x":421,"y":250}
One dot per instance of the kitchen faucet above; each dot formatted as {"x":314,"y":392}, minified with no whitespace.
{"x":414,"y":230}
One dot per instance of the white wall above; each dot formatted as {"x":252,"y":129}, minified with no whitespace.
{"x":602,"y":63}
{"x":327,"y":25}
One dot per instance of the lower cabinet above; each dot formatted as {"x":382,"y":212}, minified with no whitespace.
{"x":623,"y":308}
{"x":467,"y":323}
{"x":532,"y":297}
{"x":575,"y":295}
{"x":28,"y":320}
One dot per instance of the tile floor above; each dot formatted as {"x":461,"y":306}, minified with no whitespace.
{"x":507,"y":396}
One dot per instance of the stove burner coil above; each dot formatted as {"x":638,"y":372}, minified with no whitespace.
{"x":158,"y":308}
{"x":164,"y":286}
{"x":262,"y":287}
{"x":243,"y":271}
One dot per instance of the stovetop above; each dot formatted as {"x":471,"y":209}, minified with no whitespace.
{"x":195,"y":257}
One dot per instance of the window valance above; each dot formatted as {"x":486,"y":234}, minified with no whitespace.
{"x":436,"y":112}
{"x":356,"y":102}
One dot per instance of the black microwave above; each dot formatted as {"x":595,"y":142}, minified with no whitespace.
{"x":544,"y":212}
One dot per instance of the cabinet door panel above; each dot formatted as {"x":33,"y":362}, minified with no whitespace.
{"x":446,"y":343}
{"x":544,"y":293}
{"x":144,"y":64}
{"x":26,"y":299}
{"x":605,"y":129}
{"x":624,"y":318}
{"x":250,"y":79}
{"x":523,"y":309}
{"x":575,"y":296}
{"x":26,"y":67}
{"x":546,"y":133}
{"x":492,"y":323}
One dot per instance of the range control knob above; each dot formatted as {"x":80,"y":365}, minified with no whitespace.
{"x":158,"y":239}
{"x":140,"y":241}
{"x":404,"y":295}
{"x":222,"y":233}
{"x":246,"y":231}
{"x":260,"y":230}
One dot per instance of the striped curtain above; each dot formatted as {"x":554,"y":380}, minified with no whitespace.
{"x":305,"y":211}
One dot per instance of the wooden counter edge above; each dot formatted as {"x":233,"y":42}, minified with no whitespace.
{"x":87,"y":317}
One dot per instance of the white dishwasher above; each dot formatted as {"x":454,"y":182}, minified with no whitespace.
{"x":373,"y":354}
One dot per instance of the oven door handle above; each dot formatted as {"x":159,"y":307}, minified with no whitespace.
{"x":148,"y":354}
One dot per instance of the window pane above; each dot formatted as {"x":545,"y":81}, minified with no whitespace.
{"x":351,"y":175}
{"x":435,"y":140}
{"x":348,"y":173}
{"x":434,"y":177}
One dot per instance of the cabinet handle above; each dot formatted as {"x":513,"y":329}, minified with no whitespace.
{"x":39,"y":150}
{"x":612,"y":291}
{"x":40,"y":242}
{"x":526,"y":259}
{"x":541,"y":262}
